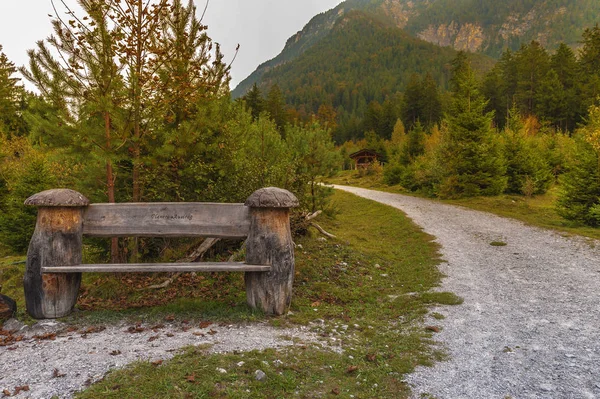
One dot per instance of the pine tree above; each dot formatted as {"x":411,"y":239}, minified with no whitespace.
{"x":564,"y":63}
{"x":473,"y":163}
{"x":533,"y":64}
{"x":276,"y":108}
{"x":411,"y":106}
{"x":431,"y":102}
{"x":11,"y":98}
{"x":83,"y":84}
{"x":589,"y":62}
{"x":254,"y":101}
{"x":414,"y":145}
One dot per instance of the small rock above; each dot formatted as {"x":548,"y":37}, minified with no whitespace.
{"x":240,"y":364}
{"x":8,"y":307}
{"x":222,"y":371}
{"x":13,"y":325}
{"x":260,"y":375}
{"x":547,"y":388}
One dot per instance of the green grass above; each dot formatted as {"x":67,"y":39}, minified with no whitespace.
{"x":539,"y":211}
{"x":369,"y":288}
{"x":12,"y":269}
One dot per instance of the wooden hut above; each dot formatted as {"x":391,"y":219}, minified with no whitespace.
{"x":363,"y":158}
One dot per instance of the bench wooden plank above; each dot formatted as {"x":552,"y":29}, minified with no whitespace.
{"x":158,"y":267}
{"x":167,"y":220}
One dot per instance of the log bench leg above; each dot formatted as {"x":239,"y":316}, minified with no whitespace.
{"x":56,"y":241}
{"x":270,"y":243}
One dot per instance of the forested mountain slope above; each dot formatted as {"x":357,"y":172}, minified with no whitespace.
{"x":361,"y":60}
{"x":484,"y":26}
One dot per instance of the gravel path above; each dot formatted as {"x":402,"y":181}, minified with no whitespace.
{"x":82,"y":357}
{"x":529,"y":325}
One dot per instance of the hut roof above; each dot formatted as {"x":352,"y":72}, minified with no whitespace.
{"x":365,"y":152}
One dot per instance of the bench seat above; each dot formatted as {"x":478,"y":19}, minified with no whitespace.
{"x":158,"y":267}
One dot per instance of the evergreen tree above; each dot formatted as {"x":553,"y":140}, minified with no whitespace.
{"x":527,"y":171}
{"x":276,"y":108}
{"x":564,"y":63}
{"x":533,"y":64}
{"x":83,"y":84}
{"x":411,"y":106}
{"x":11,"y":99}
{"x":580,"y":196}
{"x":589,"y":62}
{"x":255,"y":102}
{"x":473,"y":162}
{"x":414,"y":145}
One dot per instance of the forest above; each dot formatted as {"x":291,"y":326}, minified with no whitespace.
{"x":527,"y":124}
{"x":133,"y":105}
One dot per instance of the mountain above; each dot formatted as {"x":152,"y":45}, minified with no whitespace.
{"x":482,"y":26}
{"x":362,"y":59}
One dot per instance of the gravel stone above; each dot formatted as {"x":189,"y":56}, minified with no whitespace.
{"x":260,"y":375}
{"x":539,"y":295}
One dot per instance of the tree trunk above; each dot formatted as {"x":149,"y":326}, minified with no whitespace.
{"x":110,"y":187}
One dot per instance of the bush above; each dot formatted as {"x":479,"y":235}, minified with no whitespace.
{"x":579,"y":199}
{"x":392,"y":174}
{"x":526,"y":167}
{"x":17,"y":221}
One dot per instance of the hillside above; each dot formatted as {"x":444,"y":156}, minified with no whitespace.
{"x":483,"y":26}
{"x":367,"y":60}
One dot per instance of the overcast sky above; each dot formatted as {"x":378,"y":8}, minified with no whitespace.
{"x":261,"y":27}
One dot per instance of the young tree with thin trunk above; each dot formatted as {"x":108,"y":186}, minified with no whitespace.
{"x":81,"y":78}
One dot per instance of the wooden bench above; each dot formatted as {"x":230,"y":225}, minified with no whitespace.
{"x":54,"y":259}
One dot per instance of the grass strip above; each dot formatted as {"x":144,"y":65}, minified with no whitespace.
{"x":539,"y":211}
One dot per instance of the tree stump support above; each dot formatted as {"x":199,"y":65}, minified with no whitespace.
{"x":270,"y":243}
{"x":57,"y":240}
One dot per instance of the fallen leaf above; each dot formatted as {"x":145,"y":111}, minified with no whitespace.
{"x":57,"y":374}
{"x":153,"y":338}
{"x":433,"y":328}
{"x":371,"y":357}
{"x":335,"y":391}
{"x":157,"y":362}
{"x":315,"y":304}
{"x":351,"y":369}
{"x":6,"y":392}
{"x":47,"y":336}
{"x":170,"y":318}
{"x":23,"y":388}
{"x":191,"y":378}
{"x":205,"y":324}
{"x":212,"y":332}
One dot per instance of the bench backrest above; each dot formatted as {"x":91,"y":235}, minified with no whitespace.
{"x":167,"y":220}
